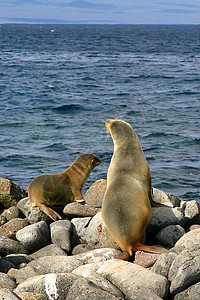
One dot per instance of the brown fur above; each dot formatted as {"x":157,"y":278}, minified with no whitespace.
{"x":62,"y":188}
{"x":126,"y":205}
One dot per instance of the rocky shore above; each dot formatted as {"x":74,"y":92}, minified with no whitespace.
{"x":75,"y":258}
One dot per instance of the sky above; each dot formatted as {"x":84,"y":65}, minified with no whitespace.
{"x":100,"y":11}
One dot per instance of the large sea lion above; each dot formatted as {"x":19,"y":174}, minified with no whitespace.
{"x":126,"y":207}
{"x":62,"y":188}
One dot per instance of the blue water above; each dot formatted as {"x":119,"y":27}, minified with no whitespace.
{"x":60,"y":83}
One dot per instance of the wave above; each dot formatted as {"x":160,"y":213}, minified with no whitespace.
{"x":69,"y":108}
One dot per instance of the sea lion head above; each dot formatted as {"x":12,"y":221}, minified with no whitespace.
{"x":120,"y":130}
{"x":89,"y":158}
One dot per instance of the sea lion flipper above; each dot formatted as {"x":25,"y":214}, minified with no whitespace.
{"x":50,"y":212}
{"x":151,"y":249}
{"x":125,"y":256}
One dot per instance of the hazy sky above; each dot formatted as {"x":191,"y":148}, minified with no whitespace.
{"x":101,"y":11}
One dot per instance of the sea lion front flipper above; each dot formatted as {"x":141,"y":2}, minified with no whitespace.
{"x":50,"y":212}
{"x":125,"y":256}
{"x":151,"y":249}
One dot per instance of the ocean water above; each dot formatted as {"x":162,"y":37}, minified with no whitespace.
{"x":60,"y":83}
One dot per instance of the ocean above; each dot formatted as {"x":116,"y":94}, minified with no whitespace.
{"x":60,"y":83}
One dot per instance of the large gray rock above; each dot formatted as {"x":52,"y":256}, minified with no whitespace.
{"x":33,"y":214}
{"x":162,"y":217}
{"x":126,"y":276}
{"x":49,"y":250}
{"x":98,"y":255}
{"x":166,"y":199}
{"x":163,"y":264}
{"x":11,"y":227}
{"x":56,"y":264}
{"x":192,"y":293}
{"x":91,"y":234}
{"x":191,"y":210}
{"x":75,"y":209}
{"x":9,"y":246}
{"x":83,"y":289}
{"x":185,"y":270}
{"x":60,"y":234}
{"x":98,"y":280}
{"x":10,"y":193}
{"x":169,"y":235}
{"x":35,"y":236}
{"x":94,"y":195}
{"x":5,"y":294}
{"x":32,"y":296}
{"x":25,"y":273}
{"x":7,"y":281}
{"x":189,"y":239}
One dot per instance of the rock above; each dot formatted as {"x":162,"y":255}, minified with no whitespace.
{"x":8,"y":246}
{"x":10,"y":193}
{"x":91,"y":234}
{"x":163,"y":264}
{"x":3,"y":220}
{"x":83,"y":289}
{"x":81,"y":248}
{"x":10,"y":228}
{"x":12,"y":272}
{"x":98,"y":255}
{"x":18,"y":259}
{"x":79,"y":226}
{"x":25,"y":273}
{"x":7,"y":282}
{"x":169,"y":235}
{"x":12,"y":213}
{"x":145,"y":259}
{"x":5,"y":265}
{"x":52,"y":286}
{"x":193,"y":227}
{"x":49,"y":250}
{"x":191,"y":210}
{"x":60,"y":234}
{"x":189,"y":239}
{"x":33,"y":214}
{"x":94,"y":195}
{"x":185,"y":270}
{"x":34,"y":236}
{"x":162,"y":217}
{"x":192,"y":293}
{"x":98,"y":280}
{"x":63,"y":286}
{"x":126,"y":276}
{"x":55,"y":264}
{"x":5,"y":293}
{"x":76,"y":209}
{"x":105,"y":239}
{"x":32,"y":296}
{"x":166,"y":199}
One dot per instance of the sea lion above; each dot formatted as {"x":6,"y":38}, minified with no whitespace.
{"x":62,"y":188}
{"x":126,"y":206}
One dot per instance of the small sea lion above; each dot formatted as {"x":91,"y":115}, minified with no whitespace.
{"x":62,"y":188}
{"x":126,"y":207}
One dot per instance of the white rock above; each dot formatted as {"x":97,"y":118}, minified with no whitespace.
{"x":189,"y":239}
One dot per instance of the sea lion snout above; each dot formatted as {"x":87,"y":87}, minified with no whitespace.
{"x":96,"y":161}
{"x":108,"y":123}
